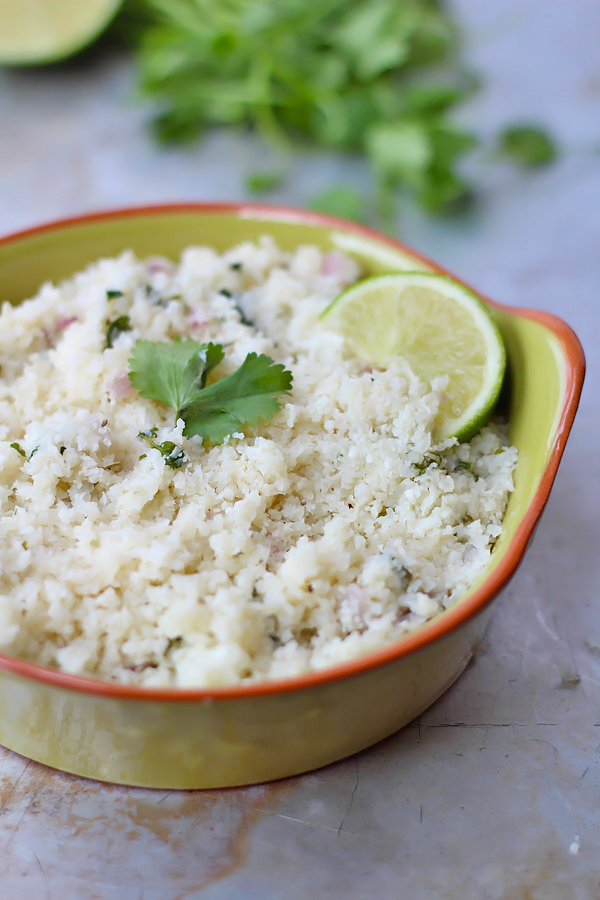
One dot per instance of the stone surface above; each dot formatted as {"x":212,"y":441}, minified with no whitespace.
{"x":488,"y":796}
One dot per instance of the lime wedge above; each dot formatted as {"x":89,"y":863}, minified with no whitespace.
{"x":435,"y":326}
{"x":41,"y":31}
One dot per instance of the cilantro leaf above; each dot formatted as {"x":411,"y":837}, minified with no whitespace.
{"x":343,"y":202}
{"x":16,"y":446}
{"x":401,"y":151}
{"x":115,"y":328}
{"x":172,"y":373}
{"x":242,"y":398}
{"x":261,"y":182}
{"x":420,"y":155}
{"x":527,"y":145}
{"x":175,"y":374}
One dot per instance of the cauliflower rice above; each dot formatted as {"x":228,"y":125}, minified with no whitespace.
{"x":321,"y":534}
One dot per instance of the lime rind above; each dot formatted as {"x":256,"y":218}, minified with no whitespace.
{"x":377,"y":341}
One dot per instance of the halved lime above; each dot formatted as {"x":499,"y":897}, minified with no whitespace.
{"x":41,"y":31}
{"x":437,"y":327}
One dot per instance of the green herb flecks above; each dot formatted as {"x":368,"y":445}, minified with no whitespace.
{"x":243,"y":317}
{"x":175,"y":374}
{"x":231,"y":296}
{"x":112,"y":295}
{"x":115,"y":328}
{"x":174,"y":456}
{"x":430,"y":460}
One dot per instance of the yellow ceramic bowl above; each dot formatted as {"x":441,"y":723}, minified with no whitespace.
{"x":172,"y":738}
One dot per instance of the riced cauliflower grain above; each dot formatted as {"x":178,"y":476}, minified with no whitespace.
{"x":333,"y":528}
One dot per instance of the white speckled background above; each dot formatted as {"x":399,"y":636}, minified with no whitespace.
{"x":483,"y":797}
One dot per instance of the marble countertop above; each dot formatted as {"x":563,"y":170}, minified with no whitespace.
{"x":494,"y":794}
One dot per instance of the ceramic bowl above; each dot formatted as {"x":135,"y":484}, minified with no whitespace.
{"x":172,"y":738}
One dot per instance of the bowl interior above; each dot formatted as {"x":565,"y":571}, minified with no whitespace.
{"x":534,"y":395}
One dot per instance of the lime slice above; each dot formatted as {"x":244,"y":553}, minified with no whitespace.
{"x":437,"y":327}
{"x":41,"y":31}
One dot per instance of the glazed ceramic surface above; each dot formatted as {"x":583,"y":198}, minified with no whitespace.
{"x":229,"y":736}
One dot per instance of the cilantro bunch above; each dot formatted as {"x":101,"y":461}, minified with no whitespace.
{"x":380,"y":78}
{"x":175,"y":374}
{"x":377,"y":77}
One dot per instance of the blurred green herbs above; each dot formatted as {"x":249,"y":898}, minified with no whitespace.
{"x":380,"y":78}
{"x":341,"y":201}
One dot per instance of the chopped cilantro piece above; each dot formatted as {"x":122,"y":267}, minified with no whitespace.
{"x":112,"y":295}
{"x":174,"y":456}
{"x":115,"y":328}
{"x":434,"y":460}
{"x":527,"y":145}
{"x":16,"y":446}
{"x":243,"y":317}
{"x":236,"y":266}
{"x":261,"y":182}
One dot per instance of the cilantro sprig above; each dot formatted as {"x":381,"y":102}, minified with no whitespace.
{"x":175,"y":374}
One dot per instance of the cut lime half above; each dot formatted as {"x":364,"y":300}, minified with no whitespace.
{"x":43,"y":31}
{"x":436,"y":326}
